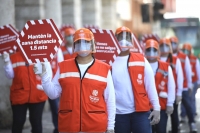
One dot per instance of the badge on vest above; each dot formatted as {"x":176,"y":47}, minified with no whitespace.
{"x":161,"y":86}
{"x":139,"y":80}
{"x":93,"y":97}
{"x":192,"y":74}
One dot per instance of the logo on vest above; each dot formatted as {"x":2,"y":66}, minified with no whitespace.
{"x":139,"y":80}
{"x":161,"y":85}
{"x":93,"y":97}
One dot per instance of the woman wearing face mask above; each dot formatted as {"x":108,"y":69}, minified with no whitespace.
{"x":164,"y":81}
{"x":166,"y":55}
{"x":134,"y":88}
{"x":68,"y":48}
{"x":85,"y":87}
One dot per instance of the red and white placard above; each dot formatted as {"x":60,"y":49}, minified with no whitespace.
{"x":39,"y":40}
{"x":8,"y":36}
{"x":107,"y":47}
{"x":149,"y":36}
{"x":137,"y":48}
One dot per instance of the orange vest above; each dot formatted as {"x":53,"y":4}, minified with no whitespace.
{"x":66,"y":54}
{"x":23,"y":88}
{"x":193,"y":60}
{"x":182,"y":58}
{"x":82,"y":104}
{"x":161,"y":80}
{"x":136,"y":65}
{"x":173,"y":66}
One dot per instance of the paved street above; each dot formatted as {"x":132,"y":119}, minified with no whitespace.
{"x":48,"y":126}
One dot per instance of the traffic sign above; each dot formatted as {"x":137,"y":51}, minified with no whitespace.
{"x":39,"y":40}
{"x":8,"y":36}
{"x":107,"y":47}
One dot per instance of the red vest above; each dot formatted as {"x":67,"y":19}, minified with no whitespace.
{"x":23,"y":88}
{"x":173,"y":66}
{"x":136,"y":65}
{"x":66,"y":54}
{"x":182,"y":58}
{"x":161,"y":81}
{"x":82,"y":104}
{"x":193,"y":62}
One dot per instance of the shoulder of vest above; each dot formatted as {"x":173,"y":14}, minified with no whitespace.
{"x":180,"y":53}
{"x":137,"y":56}
{"x":193,"y":57}
{"x":163,"y":64}
{"x":102,"y":63}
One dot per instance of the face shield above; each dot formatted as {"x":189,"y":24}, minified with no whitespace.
{"x":69,"y":39}
{"x":151,"y":53}
{"x":164,"y":48}
{"x":174,"y":46}
{"x":125,"y":40}
{"x":83,"y":47}
{"x":185,"y":51}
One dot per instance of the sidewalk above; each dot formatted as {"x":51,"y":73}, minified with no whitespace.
{"x":48,"y":126}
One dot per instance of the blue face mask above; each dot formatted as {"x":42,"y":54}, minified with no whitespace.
{"x":187,"y":52}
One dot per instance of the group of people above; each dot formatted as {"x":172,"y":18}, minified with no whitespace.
{"x":134,"y":95}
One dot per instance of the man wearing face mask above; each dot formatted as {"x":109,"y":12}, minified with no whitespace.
{"x":194,"y":61}
{"x":187,"y":82}
{"x":166,"y":55}
{"x":134,"y":89}
{"x":164,"y":81}
{"x":67,"y":49}
{"x":85,"y":87}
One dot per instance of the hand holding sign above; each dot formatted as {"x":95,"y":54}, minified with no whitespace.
{"x":39,"y":40}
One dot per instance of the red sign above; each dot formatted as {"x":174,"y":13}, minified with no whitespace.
{"x":8,"y":36}
{"x":107,"y":47}
{"x":39,"y":40}
{"x":149,"y":36}
{"x":137,"y":48}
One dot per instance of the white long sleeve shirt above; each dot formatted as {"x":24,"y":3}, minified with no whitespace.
{"x":188,"y":71}
{"x":60,"y":57}
{"x":171,"y":84}
{"x":10,"y":72}
{"x":198,"y":71}
{"x":54,"y":90}
{"x":179,"y":74}
{"x":123,"y":88}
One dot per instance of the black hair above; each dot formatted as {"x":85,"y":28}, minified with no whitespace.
{"x":170,"y":60}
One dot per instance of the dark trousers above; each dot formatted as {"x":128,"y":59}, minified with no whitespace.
{"x":175,"y":119}
{"x":54,"y":113}
{"x":35,"y":116}
{"x":161,"y":127}
{"x":186,"y":101}
{"x":136,"y":122}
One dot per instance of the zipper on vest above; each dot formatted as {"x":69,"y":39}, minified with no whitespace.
{"x":27,"y":65}
{"x":81,"y":86}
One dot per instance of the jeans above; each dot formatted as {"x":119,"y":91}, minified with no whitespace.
{"x":186,"y":102}
{"x":54,"y":113}
{"x":161,"y":127}
{"x":35,"y":116}
{"x":175,"y":119}
{"x":192,"y":100}
{"x":136,"y":122}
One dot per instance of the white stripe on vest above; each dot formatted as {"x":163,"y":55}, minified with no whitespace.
{"x":136,"y":63}
{"x":95,"y":77}
{"x":69,"y":74}
{"x":14,"y":65}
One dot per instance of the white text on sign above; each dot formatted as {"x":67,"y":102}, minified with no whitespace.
{"x":6,"y":38}
{"x":103,"y":48}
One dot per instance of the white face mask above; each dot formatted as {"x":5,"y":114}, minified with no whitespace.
{"x":124,"y":49}
{"x":83,"y":54}
{"x":125,"y":43}
{"x":69,"y":49}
